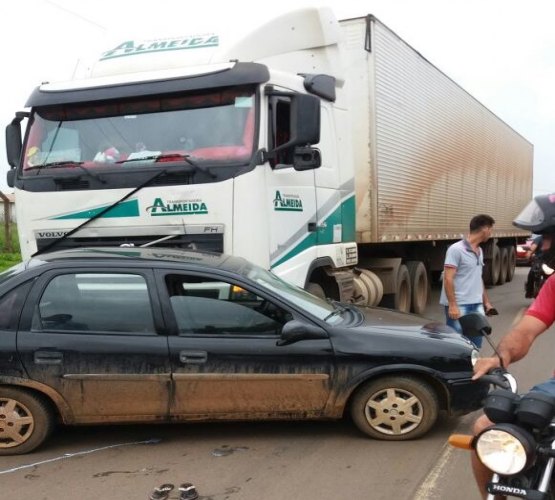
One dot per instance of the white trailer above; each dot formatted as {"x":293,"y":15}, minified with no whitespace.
{"x":331,"y":152}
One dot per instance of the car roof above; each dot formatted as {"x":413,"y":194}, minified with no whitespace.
{"x":105,"y":255}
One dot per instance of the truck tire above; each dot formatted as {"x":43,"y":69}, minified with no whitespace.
{"x":492,"y":267}
{"x":504,"y":267}
{"x":512,"y":263}
{"x":315,"y":289}
{"x":374,"y":286}
{"x":419,"y":286}
{"x":402,"y":297}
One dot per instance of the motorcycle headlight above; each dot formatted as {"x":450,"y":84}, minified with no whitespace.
{"x":505,"y":449}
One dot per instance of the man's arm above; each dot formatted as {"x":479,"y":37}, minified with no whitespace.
{"x":449,"y":285}
{"x":513,"y":346}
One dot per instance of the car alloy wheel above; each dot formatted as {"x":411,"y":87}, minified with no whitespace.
{"x":395,"y":408}
{"x":25,"y":421}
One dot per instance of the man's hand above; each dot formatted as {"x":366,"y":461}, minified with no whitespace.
{"x":454,"y":312}
{"x":484,"y":365}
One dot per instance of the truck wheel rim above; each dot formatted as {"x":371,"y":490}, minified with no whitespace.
{"x":16,"y":423}
{"x":394,"y":411}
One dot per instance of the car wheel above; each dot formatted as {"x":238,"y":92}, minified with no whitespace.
{"x":395,"y":408}
{"x":25,"y":421}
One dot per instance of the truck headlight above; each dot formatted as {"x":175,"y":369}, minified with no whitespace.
{"x":505,"y":449}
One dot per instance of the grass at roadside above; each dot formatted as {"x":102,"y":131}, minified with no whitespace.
{"x":8,"y":259}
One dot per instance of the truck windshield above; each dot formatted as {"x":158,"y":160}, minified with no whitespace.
{"x":215,"y":128}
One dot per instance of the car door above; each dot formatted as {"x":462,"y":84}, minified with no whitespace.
{"x":225,"y":359}
{"x":92,"y":336}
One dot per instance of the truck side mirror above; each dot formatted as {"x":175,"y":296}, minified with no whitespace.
{"x":13,"y":139}
{"x":10,"y":178}
{"x":305,"y":120}
{"x":306,"y":158}
{"x":303,"y":127}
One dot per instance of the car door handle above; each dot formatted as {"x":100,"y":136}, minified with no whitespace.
{"x":48,"y":358}
{"x":193,"y":357}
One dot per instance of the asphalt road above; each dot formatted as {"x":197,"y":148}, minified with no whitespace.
{"x":265,"y":461}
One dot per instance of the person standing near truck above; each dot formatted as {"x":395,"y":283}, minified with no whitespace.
{"x":463,"y":288}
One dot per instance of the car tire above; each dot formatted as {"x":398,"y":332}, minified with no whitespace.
{"x":25,"y":416}
{"x":395,"y":408}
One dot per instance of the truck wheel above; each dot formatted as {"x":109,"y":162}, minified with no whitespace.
{"x":25,"y":421}
{"x":373,"y":285}
{"x":492,"y":267}
{"x":315,"y":289}
{"x":396,"y":408}
{"x":419,"y":286}
{"x":512,"y":263}
{"x":504,"y":267}
{"x":403,"y":293}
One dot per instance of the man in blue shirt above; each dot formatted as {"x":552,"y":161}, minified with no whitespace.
{"x":463,"y":289}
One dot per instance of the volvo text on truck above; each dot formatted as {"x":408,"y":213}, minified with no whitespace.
{"x":329,"y":151}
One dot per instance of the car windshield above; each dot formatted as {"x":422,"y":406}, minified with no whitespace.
{"x":139,"y":132}
{"x":314,"y":305}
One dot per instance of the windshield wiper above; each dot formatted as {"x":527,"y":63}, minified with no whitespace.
{"x":65,"y":163}
{"x":172,"y":156}
{"x":339,"y":309}
{"x":100,"y":214}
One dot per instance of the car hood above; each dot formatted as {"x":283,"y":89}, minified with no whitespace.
{"x":376,"y":319}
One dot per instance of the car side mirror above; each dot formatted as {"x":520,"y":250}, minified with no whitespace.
{"x":295,"y":331}
{"x":475,"y":325}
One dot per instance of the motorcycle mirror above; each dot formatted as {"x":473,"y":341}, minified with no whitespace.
{"x":475,"y":325}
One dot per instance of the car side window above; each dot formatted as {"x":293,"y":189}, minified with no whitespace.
{"x":206,"y":306}
{"x":95,"y":302}
{"x":11,"y":304}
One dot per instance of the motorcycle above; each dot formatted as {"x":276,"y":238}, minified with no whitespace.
{"x":539,"y":272}
{"x":519,"y":448}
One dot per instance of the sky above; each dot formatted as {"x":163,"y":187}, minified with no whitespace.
{"x":500,"y":51}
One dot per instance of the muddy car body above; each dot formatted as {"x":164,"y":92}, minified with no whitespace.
{"x":113,"y":335}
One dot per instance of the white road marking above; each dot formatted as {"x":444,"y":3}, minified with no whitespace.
{"x":428,"y":486}
{"x":76,"y":454}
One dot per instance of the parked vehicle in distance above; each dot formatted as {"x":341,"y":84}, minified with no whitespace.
{"x":114,"y":335}
{"x":523,"y":258}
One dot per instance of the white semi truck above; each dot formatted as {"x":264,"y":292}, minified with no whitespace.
{"x":330,"y":151}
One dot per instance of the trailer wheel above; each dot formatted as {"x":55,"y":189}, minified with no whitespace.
{"x":419,"y":286}
{"x":493,"y":267}
{"x":504,"y":266}
{"x":403,"y":293}
{"x":512,"y":263}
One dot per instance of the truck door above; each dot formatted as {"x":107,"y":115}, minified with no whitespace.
{"x":329,"y":209}
{"x":291,"y":194}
